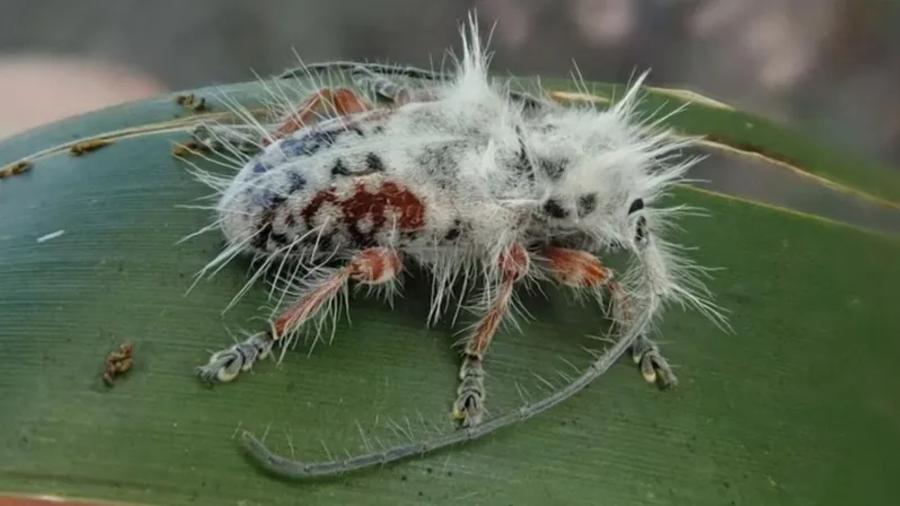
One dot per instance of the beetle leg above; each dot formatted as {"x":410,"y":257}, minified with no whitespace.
{"x":654,"y":367}
{"x":325,"y":102}
{"x":360,"y":72}
{"x":469,"y":405}
{"x":373,"y":266}
{"x":580,"y":269}
{"x":384,"y":86}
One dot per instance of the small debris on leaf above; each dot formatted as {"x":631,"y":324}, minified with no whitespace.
{"x":189,"y":148}
{"x":51,"y":235}
{"x":118,"y":362}
{"x":14,"y":169}
{"x":191,"y":102}
{"x":88,"y":146}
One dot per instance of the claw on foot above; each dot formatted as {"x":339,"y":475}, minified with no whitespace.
{"x":225,"y":365}
{"x":468,"y":408}
{"x":653,"y":366}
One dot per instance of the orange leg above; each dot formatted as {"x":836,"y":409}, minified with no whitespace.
{"x":469,"y":405}
{"x":372,"y":266}
{"x":576,"y":268}
{"x":580,"y":269}
{"x":325,"y":102}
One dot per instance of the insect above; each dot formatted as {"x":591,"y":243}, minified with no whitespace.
{"x":118,"y":362}
{"x":480,"y":185}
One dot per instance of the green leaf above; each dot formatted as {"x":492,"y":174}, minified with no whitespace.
{"x":797,"y":406}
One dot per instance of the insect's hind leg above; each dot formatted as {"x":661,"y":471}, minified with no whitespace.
{"x":580,"y":269}
{"x":469,"y":405}
{"x":322,"y":103}
{"x":373,"y":266}
{"x":385,"y":69}
{"x":383,"y":86}
{"x":379,"y":78}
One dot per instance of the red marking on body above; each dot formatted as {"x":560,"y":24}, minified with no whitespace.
{"x":389,"y":201}
{"x":315,"y":203}
{"x":575,"y":267}
{"x":390,"y":196}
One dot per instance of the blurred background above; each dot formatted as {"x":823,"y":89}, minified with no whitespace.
{"x":832,"y":66}
{"x":829,"y":67}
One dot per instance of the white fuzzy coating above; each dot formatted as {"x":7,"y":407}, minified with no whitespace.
{"x":451,"y":180}
{"x":488,"y":171}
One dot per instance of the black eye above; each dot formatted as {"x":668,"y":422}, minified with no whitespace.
{"x":586,"y":204}
{"x":636,"y":206}
{"x":554,"y":209}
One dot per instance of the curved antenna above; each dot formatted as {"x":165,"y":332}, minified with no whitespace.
{"x":298,"y":469}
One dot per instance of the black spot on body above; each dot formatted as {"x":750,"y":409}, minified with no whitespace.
{"x":296,"y":182}
{"x":310,"y":143}
{"x":457,"y":230}
{"x":276,"y":201}
{"x":409,"y":235}
{"x":374,"y":163}
{"x":553,"y":208}
{"x":636,"y":206}
{"x":361,"y":239}
{"x":280,"y":239}
{"x":641,"y":230}
{"x":339,"y":169}
{"x":264,"y":199}
{"x":263,"y":230}
{"x":322,"y":242}
{"x":586,"y":204}
{"x":523,"y":163}
{"x":267,"y":217}
{"x":554,"y":169}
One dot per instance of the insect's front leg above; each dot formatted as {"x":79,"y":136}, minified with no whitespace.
{"x":373,"y":266}
{"x":580,"y":269}
{"x":388,"y":88}
{"x":468,"y":408}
